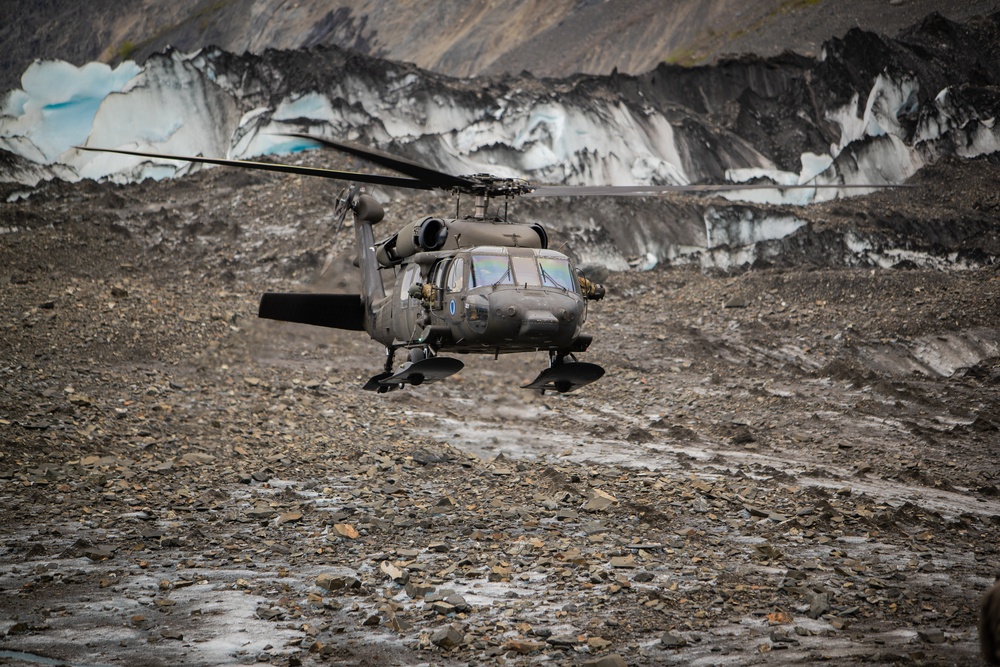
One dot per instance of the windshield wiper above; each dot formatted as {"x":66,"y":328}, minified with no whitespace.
{"x":546,"y":276}
{"x":506,"y":274}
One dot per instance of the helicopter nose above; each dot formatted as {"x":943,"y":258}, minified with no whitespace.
{"x":534,"y":318}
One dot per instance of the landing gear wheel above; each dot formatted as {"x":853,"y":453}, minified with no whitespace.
{"x":563,"y":376}
{"x":422,"y":368}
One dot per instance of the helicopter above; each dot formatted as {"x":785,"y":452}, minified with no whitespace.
{"x":474,"y":284}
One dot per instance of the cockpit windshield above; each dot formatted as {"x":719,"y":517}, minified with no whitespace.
{"x":556,"y":273}
{"x":491,"y":270}
{"x":537,"y":270}
{"x":525,"y":271}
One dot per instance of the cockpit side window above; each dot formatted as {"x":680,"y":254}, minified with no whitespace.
{"x":439,"y":271}
{"x":556,"y":273}
{"x":456,"y":276}
{"x":491,"y":270}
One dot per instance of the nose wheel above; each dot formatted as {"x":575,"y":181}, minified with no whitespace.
{"x":565,"y":376}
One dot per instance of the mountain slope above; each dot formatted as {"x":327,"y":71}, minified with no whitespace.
{"x":453,"y":37}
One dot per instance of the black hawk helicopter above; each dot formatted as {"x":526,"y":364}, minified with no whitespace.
{"x":463,"y":284}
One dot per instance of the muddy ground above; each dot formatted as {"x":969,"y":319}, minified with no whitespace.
{"x":782,"y":465}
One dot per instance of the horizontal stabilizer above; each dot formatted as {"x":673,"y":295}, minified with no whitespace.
{"x":337,"y":311}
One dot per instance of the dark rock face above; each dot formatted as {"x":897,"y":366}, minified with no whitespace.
{"x":455,"y":37}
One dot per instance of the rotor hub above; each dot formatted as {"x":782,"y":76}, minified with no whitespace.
{"x":488,"y":185}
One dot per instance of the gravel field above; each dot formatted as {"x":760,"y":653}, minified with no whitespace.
{"x":782,"y":466}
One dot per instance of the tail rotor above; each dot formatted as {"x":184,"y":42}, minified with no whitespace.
{"x":344,"y":203}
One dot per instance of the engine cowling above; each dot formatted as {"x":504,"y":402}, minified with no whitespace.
{"x":430,"y":234}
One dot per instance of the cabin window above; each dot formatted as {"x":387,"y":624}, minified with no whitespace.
{"x":456,"y":275}
{"x":491,"y":270}
{"x":556,"y":273}
{"x":525,"y":271}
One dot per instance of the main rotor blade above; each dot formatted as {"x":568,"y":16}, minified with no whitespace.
{"x":425,"y":178}
{"x":392,"y":181}
{"x":626,"y":190}
{"x":402,"y":165}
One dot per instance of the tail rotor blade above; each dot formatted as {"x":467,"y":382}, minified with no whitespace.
{"x":340,"y":211}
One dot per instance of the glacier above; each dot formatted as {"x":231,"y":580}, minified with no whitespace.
{"x":741,"y":121}
{"x":196,"y":104}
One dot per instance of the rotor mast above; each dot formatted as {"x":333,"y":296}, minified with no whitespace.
{"x":482,"y":203}
{"x":484,"y":186}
